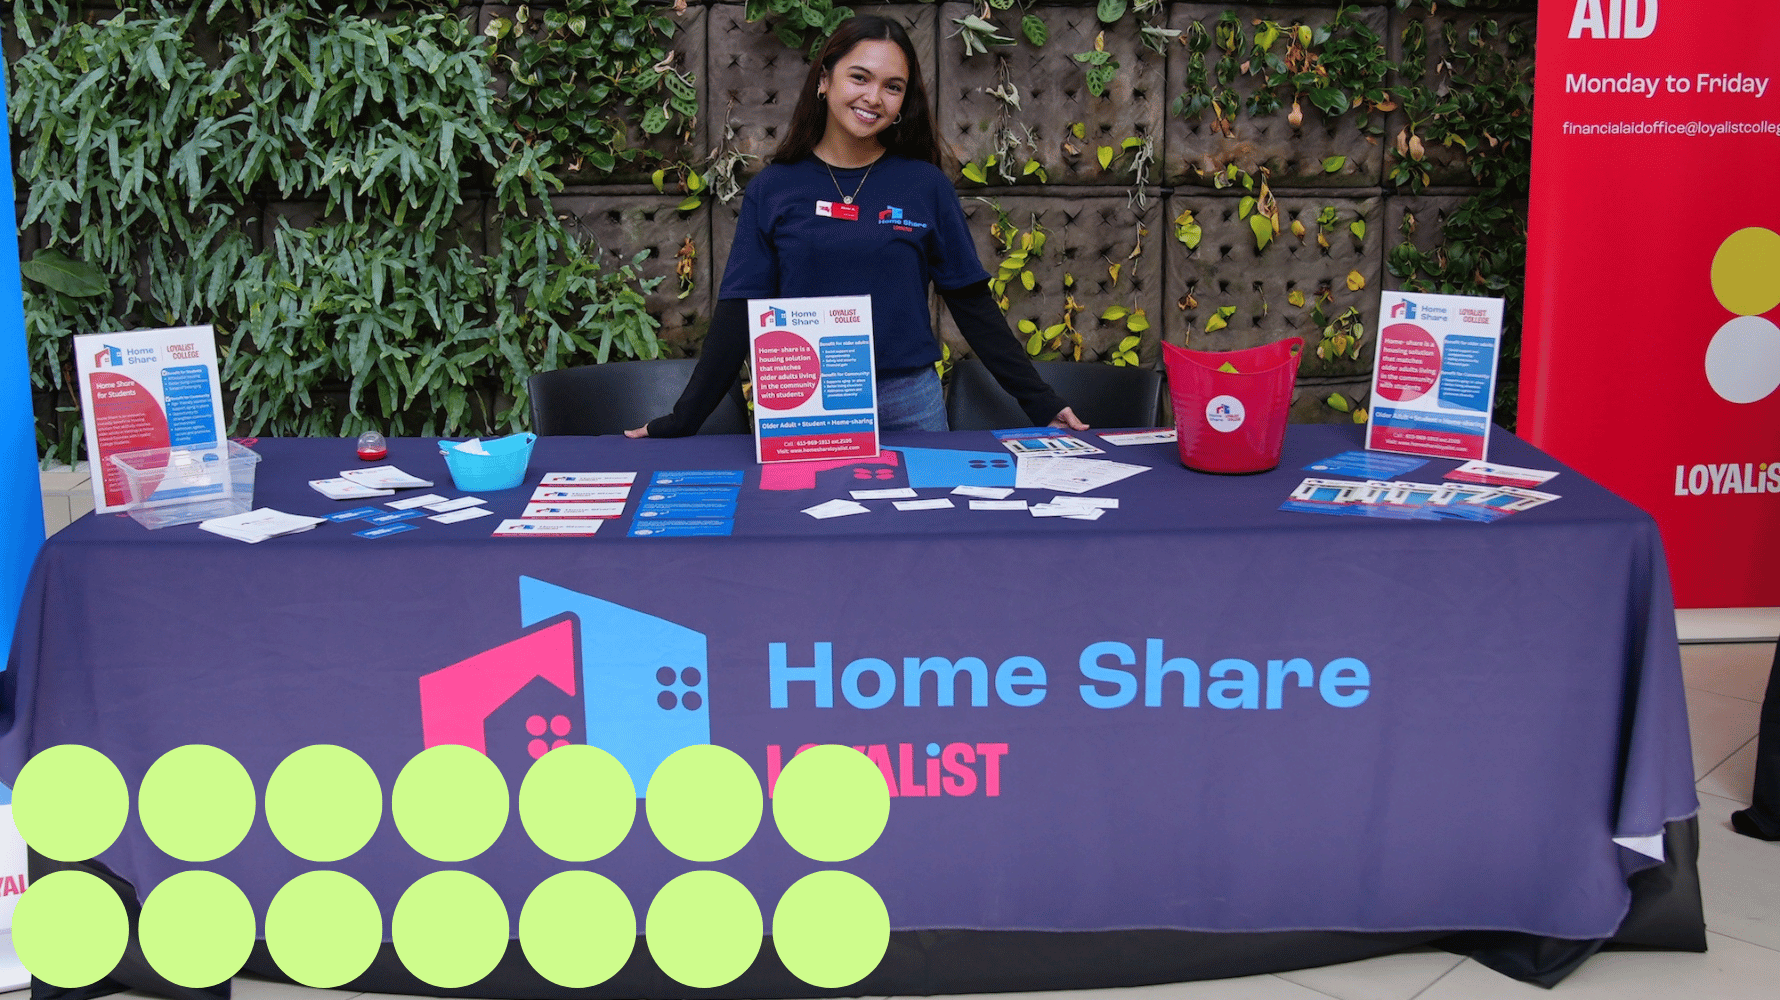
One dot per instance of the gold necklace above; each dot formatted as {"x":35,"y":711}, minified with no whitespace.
{"x":847,"y":199}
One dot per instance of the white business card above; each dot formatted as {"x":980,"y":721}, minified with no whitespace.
{"x":901,"y":494}
{"x":579,"y":494}
{"x":998,"y":505}
{"x":1110,"y":503}
{"x":589,"y":478}
{"x":836,"y":508}
{"x":461,"y":514}
{"x":984,"y":492}
{"x":517,"y":528}
{"x":573,"y":510}
{"x":450,"y":505}
{"x":936,"y":503}
{"x":1139,"y":437}
{"x":421,"y":501}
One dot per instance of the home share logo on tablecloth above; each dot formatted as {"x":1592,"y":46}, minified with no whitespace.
{"x":642,"y":680}
{"x":646,"y":694}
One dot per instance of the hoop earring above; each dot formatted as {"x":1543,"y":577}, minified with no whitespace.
{"x":821,"y":95}
{"x":897,"y":120}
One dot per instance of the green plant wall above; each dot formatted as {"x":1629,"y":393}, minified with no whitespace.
{"x":396,"y":212}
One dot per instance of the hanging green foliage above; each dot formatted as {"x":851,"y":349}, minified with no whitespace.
{"x":149,"y":157}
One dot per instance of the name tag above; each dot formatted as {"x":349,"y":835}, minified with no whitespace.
{"x":837,"y":210}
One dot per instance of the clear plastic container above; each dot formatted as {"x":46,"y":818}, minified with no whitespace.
{"x":182,"y":485}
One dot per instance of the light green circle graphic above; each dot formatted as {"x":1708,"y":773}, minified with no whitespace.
{"x":196,"y":803}
{"x":197,"y":929}
{"x":70,"y":803}
{"x":704,"y":803}
{"x":577,"y":928}
{"x":577,"y":803}
{"x":831,"y":929}
{"x":831,"y":803}
{"x":323,"y":929}
{"x":449,"y":803}
{"x":450,"y":929}
{"x":704,"y":929}
{"x":323,"y":803}
{"x":70,"y":929}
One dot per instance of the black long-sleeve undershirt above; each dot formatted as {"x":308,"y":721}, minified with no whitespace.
{"x":979,"y":319}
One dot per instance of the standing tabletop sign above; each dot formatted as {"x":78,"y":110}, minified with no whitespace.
{"x":815,"y":384}
{"x":1434,"y":377}
{"x":146,"y":389}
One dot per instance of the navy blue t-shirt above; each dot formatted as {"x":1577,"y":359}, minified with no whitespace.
{"x":910,"y":232}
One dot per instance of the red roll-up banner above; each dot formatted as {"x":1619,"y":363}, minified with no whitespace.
{"x":1651,"y":359}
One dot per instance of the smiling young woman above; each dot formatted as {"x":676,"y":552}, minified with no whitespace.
{"x":854,"y":203}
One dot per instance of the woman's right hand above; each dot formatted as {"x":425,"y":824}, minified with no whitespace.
{"x":638,"y":432}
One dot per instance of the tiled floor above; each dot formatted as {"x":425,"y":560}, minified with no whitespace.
{"x":1740,"y":877}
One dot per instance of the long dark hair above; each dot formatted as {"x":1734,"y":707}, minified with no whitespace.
{"x":912,"y":137}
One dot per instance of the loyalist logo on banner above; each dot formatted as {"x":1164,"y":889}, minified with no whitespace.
{"x":1657,"y":375}
{"x":1750,"y":477}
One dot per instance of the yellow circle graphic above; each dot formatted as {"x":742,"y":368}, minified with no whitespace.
{"x":323,"y":929}
{"x":323,"y":803}
{"x":197,"y":929}
{"x":449,"y":802}
{"x":450,"y":929}
{"x":831,"y":803}
{"x":704,"y":803}
{"x":70,"y":929}
{"x":196,"y":803}
{"x":577,"y":928}
{"x":577,"y":803}
{"x":831,"y":929}
{"x":69,"y":804}
{"x":704,"y":929}
{"x":1746,"y":271}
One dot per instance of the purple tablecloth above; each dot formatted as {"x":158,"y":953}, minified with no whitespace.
{"x":1449,"y":722}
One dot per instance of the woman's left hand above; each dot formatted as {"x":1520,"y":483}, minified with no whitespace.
{"x":1067,"y":419}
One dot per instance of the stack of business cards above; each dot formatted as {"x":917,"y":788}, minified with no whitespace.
{"x":346,"y":489}
{"x":384,"y":477}
{"x":453,"y":511}
{"x":256,"y":526}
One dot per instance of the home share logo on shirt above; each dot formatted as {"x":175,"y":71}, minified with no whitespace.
{"x":892,"y":216}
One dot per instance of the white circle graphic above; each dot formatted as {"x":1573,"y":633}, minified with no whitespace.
{"x":1743,"y":361}
{"x":1224,"y":413}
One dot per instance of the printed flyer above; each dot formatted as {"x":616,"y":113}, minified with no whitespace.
{"x":146,"y":389}
{"x":1434,"y":377}
{"x":815,"y":385}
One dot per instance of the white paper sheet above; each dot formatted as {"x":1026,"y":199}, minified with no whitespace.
{"x":1071,"y":475}
{"x":935,"y":503}
{"x":836,"y":508}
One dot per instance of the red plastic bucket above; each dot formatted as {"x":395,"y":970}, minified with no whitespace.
{"x":1232,"y":422}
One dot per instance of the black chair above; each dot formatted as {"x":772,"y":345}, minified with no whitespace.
{"x":1101,"y":395}
{"x":614,"y":397}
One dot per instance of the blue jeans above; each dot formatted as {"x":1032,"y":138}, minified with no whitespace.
{"x":911,"y":401}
